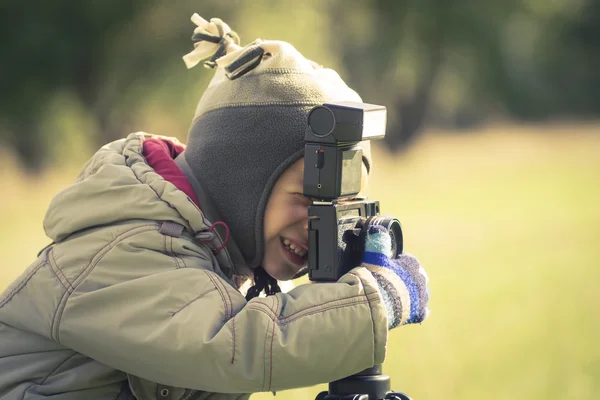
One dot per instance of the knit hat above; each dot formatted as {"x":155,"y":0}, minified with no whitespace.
{"x":249,"y":124}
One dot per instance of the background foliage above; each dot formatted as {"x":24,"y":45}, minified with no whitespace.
{"x":499,"y":196}
{"x":446,"y":64}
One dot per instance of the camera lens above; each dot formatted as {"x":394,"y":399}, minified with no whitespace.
{"x":394,"y":229}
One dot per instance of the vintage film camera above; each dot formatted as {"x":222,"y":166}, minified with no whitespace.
{"x":338,"y":220}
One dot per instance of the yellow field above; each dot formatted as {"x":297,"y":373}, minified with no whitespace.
{"x":507,"y":224}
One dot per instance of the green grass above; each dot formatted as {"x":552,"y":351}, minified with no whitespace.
{"x":507,"y":224}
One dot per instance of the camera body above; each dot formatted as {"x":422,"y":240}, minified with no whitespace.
{"x":338,"y":220}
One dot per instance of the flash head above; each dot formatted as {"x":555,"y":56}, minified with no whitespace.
{"x":332,"y":152}
{"x":344,"y":122}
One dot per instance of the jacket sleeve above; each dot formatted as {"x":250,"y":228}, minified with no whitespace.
{"x":187,"y":327}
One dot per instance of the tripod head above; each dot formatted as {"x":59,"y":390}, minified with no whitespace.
{"x":370,"y":384}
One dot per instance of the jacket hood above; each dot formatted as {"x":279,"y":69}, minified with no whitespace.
{"x":115,"y":185}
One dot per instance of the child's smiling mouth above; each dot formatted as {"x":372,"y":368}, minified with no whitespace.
{"x":294,"y":251}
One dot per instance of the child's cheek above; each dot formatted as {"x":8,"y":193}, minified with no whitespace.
{"x":300,"y":212}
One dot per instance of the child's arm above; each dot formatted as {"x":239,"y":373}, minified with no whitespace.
{"x":188,"y":328}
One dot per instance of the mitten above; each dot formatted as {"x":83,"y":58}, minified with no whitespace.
{"x":402,"y":281}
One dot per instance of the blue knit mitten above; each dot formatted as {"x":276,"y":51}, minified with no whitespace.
{"x":402,"y":282}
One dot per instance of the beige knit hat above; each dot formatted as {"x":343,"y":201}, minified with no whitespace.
{"x":249,"y":124}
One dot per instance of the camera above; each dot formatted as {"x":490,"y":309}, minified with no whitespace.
{"x":333,"y":158}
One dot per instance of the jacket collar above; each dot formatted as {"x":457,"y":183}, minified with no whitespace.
{"x":230,"y":255}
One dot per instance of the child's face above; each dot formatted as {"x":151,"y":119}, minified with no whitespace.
{"x":286,"y":225}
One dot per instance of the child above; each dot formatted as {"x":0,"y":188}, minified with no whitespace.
{"x":136,"y":297}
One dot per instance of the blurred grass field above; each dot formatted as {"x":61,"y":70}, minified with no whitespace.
{"x":507,"y":223}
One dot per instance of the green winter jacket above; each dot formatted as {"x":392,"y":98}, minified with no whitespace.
{"x":128,"y":302}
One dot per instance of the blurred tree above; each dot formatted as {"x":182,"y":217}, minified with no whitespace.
{"x":108,"y":54}
{"x":370,"y":54}
{"x":571,"y":62}
{"x":399,"y":55}
{"x":451,"y":64}
{"x":457,"y":63}
{"x":53,"y":46}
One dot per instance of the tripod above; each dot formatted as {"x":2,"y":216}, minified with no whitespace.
{"x":369,"y":384}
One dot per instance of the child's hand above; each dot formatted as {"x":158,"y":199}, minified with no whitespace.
{"x":402,"y":282}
